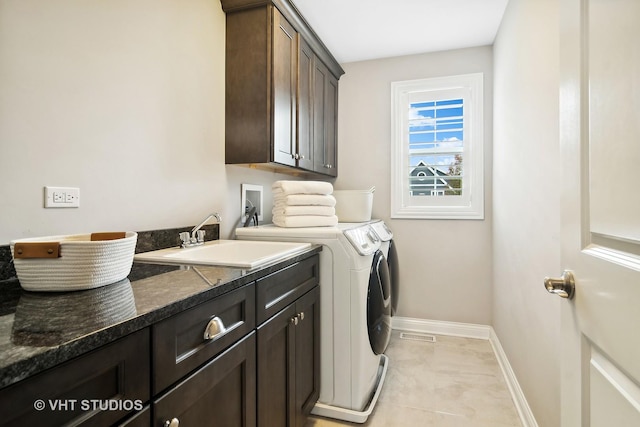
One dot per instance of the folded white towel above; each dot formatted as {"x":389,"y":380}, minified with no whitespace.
{"x":304,"y":200}
{"x":303,"y":210}
{"x":302,"y":187}
{"x":305,"y":221}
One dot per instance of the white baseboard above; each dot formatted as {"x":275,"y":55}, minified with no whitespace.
{"x":522,"y":406}
{"x":484,"y":332}
{"x":466,"y":330}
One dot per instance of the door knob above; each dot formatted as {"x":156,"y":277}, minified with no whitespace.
{"x":564,"y":287}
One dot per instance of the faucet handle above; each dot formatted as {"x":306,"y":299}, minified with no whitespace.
{"x":200,"y":236}
{"x":185,"y":238}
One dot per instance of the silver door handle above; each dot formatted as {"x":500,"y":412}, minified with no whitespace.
{"x":564,"y":287}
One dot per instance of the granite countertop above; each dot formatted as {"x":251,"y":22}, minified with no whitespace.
{"x":40,"y":330}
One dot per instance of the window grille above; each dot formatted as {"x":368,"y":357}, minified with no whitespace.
{"x":437,"y":161}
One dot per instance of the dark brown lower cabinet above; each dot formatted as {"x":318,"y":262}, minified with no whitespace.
{"x":175,"y":375}
{"x":114,"y":377}
{"x":288,"y":363}
{"x":221,"y":393}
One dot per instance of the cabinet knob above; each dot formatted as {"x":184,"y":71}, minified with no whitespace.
{"x":294,"y":320}
{"x":301,"y":315}
{"x":173,"y":423}
{"x":328,"y":166}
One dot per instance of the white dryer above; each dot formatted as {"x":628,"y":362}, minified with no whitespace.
{"x":355,"y":314}
{"x":388,"y":249}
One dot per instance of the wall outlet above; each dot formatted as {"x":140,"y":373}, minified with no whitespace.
{"x":61,"y":197}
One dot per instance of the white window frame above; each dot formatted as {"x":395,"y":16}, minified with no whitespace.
{"x":470,"y":205}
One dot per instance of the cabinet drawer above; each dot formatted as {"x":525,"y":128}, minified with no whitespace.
{"x":221,"y":393}
{"x":276,"y":291}
{"x":179,"y":345}
{"x":116,"y":376}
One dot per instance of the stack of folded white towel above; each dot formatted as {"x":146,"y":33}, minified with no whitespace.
{"x":303,"y":204}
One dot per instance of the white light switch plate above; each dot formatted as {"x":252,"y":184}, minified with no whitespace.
{"x":61,"y":197}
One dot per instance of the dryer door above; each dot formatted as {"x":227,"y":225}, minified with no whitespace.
{"x":379,"y":304}
{"x":392,"y":260}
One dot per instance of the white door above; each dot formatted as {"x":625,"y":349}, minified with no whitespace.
{"x":600,"y":143}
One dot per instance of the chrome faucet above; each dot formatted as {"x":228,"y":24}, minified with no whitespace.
{"x":196,"y":237}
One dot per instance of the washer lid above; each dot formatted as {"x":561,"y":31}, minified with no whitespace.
{"x":382,"y":231}
{"x":363,"y":239}
{"x":275,"y":232}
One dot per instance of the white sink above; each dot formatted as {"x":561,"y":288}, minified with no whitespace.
{"x":231,"y":253}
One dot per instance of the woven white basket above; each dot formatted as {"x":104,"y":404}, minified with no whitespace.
{"x":82,"y":264}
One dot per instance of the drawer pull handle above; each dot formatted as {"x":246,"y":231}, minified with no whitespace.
{"x":214,"y":328}
{"x":173,"y":423}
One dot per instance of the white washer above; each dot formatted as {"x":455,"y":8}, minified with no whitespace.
{"x":351,"y":374}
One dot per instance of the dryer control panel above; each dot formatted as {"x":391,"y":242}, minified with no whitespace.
{"x":363,"y":239}
{"x":382,"y":231}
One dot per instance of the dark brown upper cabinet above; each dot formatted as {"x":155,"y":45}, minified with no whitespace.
{"x":281,"y":90}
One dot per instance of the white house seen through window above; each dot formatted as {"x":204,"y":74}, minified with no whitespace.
{"x":437,"y":155}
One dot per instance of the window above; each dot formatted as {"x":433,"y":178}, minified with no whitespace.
{"x":437,"y":148}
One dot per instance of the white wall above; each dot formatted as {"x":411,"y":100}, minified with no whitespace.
{"x":526,"y":200}
{"x":123,"y":99}
{"x":445,"y":265}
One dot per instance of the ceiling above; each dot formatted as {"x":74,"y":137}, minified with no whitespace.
{"x":357,"y":30}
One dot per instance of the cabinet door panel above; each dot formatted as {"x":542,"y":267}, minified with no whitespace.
{"x":285,"y":51}
{"x":325,"y":109}
{"x":275,"y":370}
{"x":307,"y":355}
{"x":330,"y":125}
{"x":248,"y":125}
{"x":221,"y":393}
{"x":305,"y":105}
{"x":320,"y":76}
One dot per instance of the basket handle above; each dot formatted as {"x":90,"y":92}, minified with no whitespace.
{"x":108,"y":236}
{"x":37,"y":250}
{"x":24,"y":250}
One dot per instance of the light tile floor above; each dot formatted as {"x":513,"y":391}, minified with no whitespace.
{"x":454,"y":382}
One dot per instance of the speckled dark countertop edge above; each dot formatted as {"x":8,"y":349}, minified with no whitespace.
{"x":55,"y":356}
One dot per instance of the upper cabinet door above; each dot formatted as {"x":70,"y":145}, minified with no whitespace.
{"x":285,"y":53}
{"x":305,"y":106}
{"x":325,"y":109}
